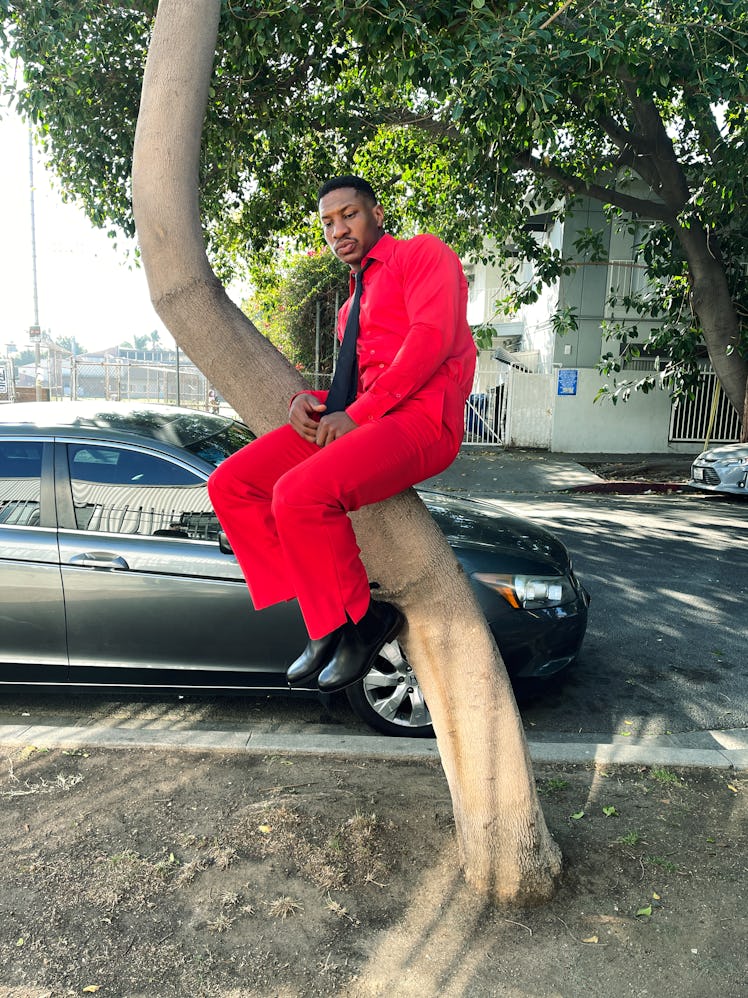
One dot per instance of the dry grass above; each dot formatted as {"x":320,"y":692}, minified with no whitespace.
{"x":283,"y":907}
{"x":61,"y":781}
{"x":331,"y":856}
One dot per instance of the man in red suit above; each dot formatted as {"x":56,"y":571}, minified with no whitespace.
{"x":284,"y":499}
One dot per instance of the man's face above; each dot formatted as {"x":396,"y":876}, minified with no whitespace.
{"x":352,"y":224}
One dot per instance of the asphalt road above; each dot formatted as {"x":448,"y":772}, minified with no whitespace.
{"x":666,"y":647}
{"x":667,"y":643}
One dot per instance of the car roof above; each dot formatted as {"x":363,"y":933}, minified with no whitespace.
{"x":174,"y":425}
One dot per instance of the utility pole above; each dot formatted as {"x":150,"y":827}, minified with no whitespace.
{"x":35,"y":332}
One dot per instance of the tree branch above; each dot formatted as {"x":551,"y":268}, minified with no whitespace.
{"x":608,"y":195}
{"x":672,"y":186}
{"x":638,"y":206}
{"x":635,"y":149}
{"x":402,"y":116}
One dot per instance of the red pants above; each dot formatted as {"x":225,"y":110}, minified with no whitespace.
{"x":283,"y":503}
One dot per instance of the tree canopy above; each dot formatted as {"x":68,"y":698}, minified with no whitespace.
{"x":468,"y":116}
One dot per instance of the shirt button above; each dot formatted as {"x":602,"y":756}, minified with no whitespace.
{"x":371,"y":352}
{"x":381,"y":365}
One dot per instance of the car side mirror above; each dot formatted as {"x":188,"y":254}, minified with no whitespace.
{"x":223,"y":543}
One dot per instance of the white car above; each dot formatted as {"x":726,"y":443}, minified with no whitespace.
{"x":722,"y":469}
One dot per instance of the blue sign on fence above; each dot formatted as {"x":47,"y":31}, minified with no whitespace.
{"x":567,"y":381}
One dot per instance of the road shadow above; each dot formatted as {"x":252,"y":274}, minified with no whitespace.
{"x":666,"y":637}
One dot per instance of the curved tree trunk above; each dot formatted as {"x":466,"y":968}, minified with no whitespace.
{"x":506,"y":850}
{"x":716,"y":311}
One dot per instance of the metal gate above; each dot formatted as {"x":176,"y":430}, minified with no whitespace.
{"x":708,"y":416}
{"x":486,"y":407}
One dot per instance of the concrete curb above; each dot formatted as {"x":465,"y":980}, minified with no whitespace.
{"x":640,"y":753}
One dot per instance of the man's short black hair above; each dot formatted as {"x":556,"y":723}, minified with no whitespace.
{"x":358,"y":183}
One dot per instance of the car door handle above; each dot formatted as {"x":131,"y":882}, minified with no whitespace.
{"x":99,"y":559}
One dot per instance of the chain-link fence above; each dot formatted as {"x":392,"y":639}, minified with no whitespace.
{"x":120,"y":379}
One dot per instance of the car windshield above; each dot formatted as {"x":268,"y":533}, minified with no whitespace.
{"x":222,"y":443}
{"x":212,"y":438}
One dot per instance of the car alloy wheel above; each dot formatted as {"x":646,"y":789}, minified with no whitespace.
{"x":389,"y":698}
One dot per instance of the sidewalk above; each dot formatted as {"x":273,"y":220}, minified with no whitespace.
{"x":482,"y":472}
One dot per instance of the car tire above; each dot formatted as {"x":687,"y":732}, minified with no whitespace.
{"x":389,"y":698}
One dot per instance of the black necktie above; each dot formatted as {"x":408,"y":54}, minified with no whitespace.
{"x":345,"y":380}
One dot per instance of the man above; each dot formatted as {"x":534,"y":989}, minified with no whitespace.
{"x":284,"y":499}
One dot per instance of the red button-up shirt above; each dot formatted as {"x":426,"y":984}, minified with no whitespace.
{"x":414,"y":338}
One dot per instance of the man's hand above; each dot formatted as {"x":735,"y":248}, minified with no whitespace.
{"x":335,"y":425}
{"x":304,"y":416}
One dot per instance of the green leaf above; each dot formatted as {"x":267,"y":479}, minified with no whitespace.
{"x":644,"y":912}
{"x":610,"y":812}
{"x":577,"y":815}
{"x":286,"y":106}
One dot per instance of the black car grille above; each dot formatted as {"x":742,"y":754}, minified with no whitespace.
{"x":711,"y":477}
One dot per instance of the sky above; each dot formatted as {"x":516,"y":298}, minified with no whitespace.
{"x":86,"y":288}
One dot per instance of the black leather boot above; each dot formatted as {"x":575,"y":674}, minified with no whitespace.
{"x":313,"y":659}
{"x":359,"y":646}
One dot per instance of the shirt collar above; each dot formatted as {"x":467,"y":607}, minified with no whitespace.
{"x":382,"y":249}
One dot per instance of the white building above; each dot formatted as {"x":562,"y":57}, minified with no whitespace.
{"x":536,"y":388}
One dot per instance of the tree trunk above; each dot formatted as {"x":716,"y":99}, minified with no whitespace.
{"x":715,"y":308}
{"x":506,"y":850}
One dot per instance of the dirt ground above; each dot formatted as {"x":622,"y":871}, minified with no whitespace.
{"x":659,"y":468}
{"x":146,"y":873}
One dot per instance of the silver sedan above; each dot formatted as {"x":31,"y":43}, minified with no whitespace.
{"x":722,"y":469}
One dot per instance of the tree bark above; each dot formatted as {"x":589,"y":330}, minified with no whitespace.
{"x":715,"y":308}
{"x":506,"y":850}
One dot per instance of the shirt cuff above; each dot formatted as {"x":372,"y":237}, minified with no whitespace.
{"x":371,"y":406}
{"x":319,"y":394}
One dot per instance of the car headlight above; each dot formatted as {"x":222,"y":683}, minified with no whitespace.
{"x":528,"y":592}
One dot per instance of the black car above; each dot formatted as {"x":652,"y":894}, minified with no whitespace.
{"x":114,"y":571}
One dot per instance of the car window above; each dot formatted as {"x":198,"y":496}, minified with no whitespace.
{"x":125,"y":491}
{"x":20,"y":482}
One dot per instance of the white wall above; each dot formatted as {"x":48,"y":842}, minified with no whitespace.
{"x":582,"y":425}
{"x":488,"y":371}
{"x":539,"y":417}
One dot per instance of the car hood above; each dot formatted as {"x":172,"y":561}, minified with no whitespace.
{"x":474,"y":527}
{"x":727,"y":452}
